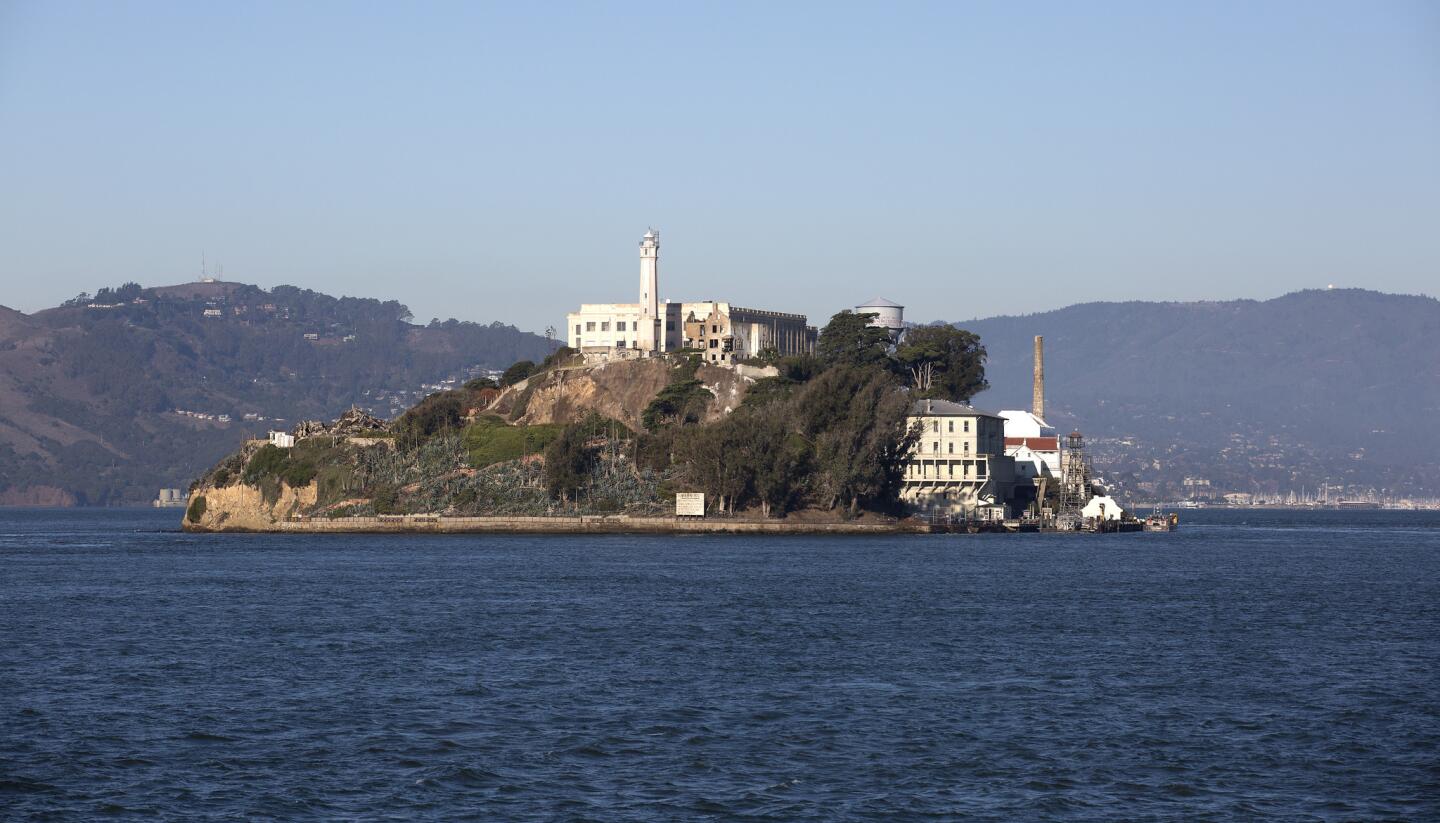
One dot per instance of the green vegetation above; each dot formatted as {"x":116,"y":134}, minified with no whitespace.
{"x":517,"y":371}
{"x":491,"y":440}
{"x":682,"y":402}
{"x":441,"y":411}
{"x":267,"y":462}
{"x":568,"y":460}
{"x":850,"y":340}
{"x":943,"y":361}
{"x":196,"y":509}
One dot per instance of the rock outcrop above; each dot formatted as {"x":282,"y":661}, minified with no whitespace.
{"x":238,"y":507}
{"x":619,"y":390}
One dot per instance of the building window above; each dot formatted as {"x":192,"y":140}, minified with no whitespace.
{"x":619,"y":344}
{"x":980,"y":469}
{"x":934,"y":425}
{"x":952,"y":426}
{"x":949,"y":448}
{"x":605,"y":325}
{"x":713,"y":344}
{"x":967,"y":446}
{"x":967,"y":425}
{"x":935,"y":447}
{"x":714,"y":329}
{"x":669,"y":325}
{"x":712,"y":357}
{"x":590,"y":326}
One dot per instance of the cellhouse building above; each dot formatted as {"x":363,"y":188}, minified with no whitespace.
{"x":721,"y":332}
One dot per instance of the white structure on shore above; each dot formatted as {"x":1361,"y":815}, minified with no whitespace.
{"x":722,"y":333}
{"x":958,"y":466}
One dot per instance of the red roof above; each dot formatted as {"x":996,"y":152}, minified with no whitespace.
{"x":1039,"y":444}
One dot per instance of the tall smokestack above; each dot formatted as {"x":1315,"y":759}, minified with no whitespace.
{"x":1037,"y":400}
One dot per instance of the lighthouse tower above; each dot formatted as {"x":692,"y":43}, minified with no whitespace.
{"x":649,"y":337}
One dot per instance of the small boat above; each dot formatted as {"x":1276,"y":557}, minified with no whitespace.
{"x":1161,"y":522}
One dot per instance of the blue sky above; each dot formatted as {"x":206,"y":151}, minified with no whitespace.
{"x":501,"y":161}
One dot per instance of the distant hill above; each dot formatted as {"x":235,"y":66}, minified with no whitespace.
{"x":108,"y":397}
{"x":1337,"y":385}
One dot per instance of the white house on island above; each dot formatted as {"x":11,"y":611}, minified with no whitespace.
{"x":958,"y":466}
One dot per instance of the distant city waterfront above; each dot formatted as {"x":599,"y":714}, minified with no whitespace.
{"x":1255,"y":664}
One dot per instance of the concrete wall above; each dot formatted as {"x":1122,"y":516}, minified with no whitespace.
{"x":560,"y":525}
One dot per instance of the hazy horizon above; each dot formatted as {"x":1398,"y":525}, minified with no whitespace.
{"x":500,"y":163}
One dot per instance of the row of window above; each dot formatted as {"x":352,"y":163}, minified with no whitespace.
{"x":935,"y":425}
{"x":619,"y":325}
{"x":950,"y":447}
{"x":922,"y":470}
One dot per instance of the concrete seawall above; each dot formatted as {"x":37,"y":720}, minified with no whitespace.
{"x":413,"y":524}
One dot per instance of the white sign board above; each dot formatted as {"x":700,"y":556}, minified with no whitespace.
{"x":689,"y":504}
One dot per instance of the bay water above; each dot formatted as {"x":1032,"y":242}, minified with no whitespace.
{"x":1254,"y":664}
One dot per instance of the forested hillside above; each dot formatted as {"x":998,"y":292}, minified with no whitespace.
{"x":1340,"y":385}
{"x":110,"y":396}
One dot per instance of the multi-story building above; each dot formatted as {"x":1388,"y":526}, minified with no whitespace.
{"x":721,"y":332}
{"x":958,"y":466}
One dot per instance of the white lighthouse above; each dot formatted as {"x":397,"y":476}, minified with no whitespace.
{"x":648,"y":335}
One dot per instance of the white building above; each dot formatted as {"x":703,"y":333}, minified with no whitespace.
{"x":722,"y":333}
{"x":283,"y":440}
{"x":1033,"y":443}
{"x":958,"y":466}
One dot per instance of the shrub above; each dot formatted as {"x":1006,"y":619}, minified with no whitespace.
{"x":518,"y":371}
{"x":298,"y":474}
{"x":222,"y":478}
{"x":434,"y":414}
{"x":680,"y":402}
{"x":196,"y":509}
{"x":266,"y":462}
{"x":386,"y":500}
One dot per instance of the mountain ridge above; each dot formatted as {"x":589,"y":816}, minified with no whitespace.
{"x":1345,"y":382}
{"x":107,"y":398}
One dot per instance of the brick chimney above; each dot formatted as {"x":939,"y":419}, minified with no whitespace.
{"x":1037,"y":400}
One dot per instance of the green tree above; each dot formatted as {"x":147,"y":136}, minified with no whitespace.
{"x":568,"y":461}
{"x":557,"y":358}
{"x":438,"y":412}
{"x":778,"y":456}
{"x":718,"y":459}
{"x":682,"y":402}
{"x":518,"y":371}
{"x":943,"y":361}
{"x":856,"y":420}
{"x":849,"y":340}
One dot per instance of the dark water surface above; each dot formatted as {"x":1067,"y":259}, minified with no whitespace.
{"x":1253,"y":665}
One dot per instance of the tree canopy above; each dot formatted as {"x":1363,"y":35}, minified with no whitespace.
{"x":849,"y":340}
{"x":943,"y":362}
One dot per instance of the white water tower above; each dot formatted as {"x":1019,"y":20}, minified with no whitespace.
{"x":888,"y":315}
